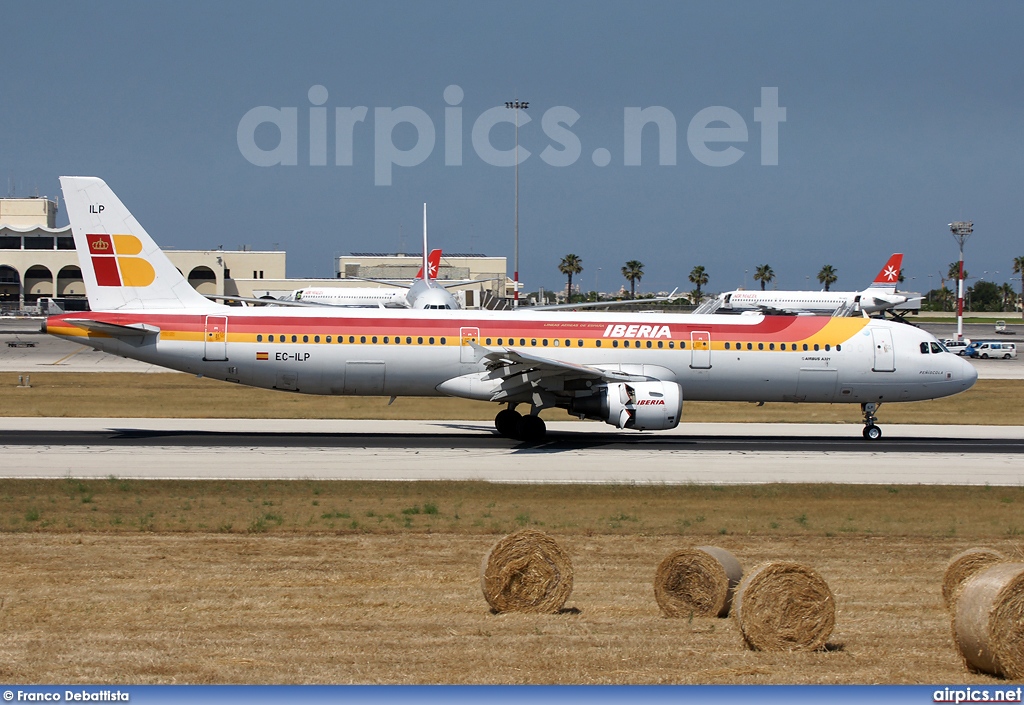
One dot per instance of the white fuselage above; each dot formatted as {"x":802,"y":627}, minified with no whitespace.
{"x":871,"y":300}
{"x":412,"y":353}
{"x":419,"y":294}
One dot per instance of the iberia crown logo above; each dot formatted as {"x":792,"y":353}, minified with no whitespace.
{"x":112,"y":264}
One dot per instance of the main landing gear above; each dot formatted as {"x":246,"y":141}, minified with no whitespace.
{"x":511,"y":424}
{"x":871,"y":431}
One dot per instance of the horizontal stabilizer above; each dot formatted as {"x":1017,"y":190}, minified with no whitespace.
{"x":135,"y":330}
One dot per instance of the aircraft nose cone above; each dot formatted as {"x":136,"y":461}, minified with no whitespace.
{"x":969,"y":373}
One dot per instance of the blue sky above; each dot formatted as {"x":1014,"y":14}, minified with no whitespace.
{"x":900,"y":117}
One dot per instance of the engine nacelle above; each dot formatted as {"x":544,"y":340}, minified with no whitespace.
{"x":644,"y":406}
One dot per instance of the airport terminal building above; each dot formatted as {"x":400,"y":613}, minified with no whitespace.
{"x":38,"y":261}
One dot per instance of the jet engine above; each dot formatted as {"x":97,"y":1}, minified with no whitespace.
{"x":644,"y":406}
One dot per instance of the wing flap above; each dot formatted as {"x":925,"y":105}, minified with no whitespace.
{"x":509,"y":363}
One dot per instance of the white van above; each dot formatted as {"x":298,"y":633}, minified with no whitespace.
{"x":985,"y":350}
{"x":956,"y":346}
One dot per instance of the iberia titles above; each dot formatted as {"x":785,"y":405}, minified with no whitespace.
{"x":619,"y":330}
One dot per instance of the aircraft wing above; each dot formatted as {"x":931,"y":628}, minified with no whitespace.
{"x":518,"y":372}
{"x":114,"y":330}
{"x":387,"y":282}
{"x":606,"y":304}
{"x":284,"y":302}
{"x":896,"y":300}
{"x":785,"y":311}
{"x":451,"y":283}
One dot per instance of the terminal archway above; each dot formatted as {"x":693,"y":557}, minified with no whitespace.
{"x":38,"y":283}
{"x":70,"y":282}
{"x":203,"y":280}
{"x":10,"y":284}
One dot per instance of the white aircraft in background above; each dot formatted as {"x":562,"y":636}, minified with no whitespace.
{"x":421,"y":292}
{"x":880,"y":296}
{"x":630,"y":370}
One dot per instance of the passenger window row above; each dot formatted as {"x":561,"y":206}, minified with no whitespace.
{"x":794,"y":347}
{"x":373,"y":339}
{"x":544,"y":342}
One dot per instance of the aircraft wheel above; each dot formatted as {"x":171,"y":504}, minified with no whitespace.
{"x":872,"y":432}
{"x":507,"y":422}
{"x":531,"y":429}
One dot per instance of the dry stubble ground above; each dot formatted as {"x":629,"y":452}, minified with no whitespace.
{"x":409,"y":609}
{"x":135,"y":582}
{"x":331,"y":582}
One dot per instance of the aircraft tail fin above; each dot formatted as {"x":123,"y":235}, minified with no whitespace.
{"x":122,"y":267}
{"x":889,"y":275}
{"x":433,"y":263}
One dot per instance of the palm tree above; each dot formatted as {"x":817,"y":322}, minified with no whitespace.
{"x":1018,"y":268}
{"x":633,"y":272}
{"x":1008,"y":295}
{"x":954,"y":271}
{"x":944,"y":296}
{"x":764,"y":274}
{"x":699,"y":277}
{"x":571,"y":264}
{"x":827,"y":276}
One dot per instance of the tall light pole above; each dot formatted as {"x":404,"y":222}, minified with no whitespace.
{"x":961,"y":230}
{"x":517,"y":105}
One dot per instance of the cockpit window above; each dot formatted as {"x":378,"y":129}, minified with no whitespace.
{"x":936,"y":348}
{"x":924,"y":348}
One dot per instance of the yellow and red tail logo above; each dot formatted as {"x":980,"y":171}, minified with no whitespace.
{"x":113,"y":267}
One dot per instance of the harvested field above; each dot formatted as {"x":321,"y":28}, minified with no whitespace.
{"x":124,"y":586}
{"x":407,"y":609}
{"x":696,"y":513}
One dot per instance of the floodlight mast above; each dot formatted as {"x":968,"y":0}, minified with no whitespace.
{"x":517,"y":105}
{"x":961,"y":230}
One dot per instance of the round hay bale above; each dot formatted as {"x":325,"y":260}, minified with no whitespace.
{"x":526,"y":572}
{"x":962,"y":566}
{"x":697,"y":581}
{"x":988,"y":620}
{"x":783,"y":606}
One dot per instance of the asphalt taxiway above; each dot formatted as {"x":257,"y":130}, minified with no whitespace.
{"x":470,"y":450}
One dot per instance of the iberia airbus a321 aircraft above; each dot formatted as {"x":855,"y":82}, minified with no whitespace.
{"x":631,"y":370}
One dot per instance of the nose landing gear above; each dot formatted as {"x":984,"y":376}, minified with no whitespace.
{"x":871,"y":431}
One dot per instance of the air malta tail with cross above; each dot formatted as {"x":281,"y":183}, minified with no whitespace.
{"x":631,"y":370}
{"x":880,"y":296}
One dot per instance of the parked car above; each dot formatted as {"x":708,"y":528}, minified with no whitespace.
{"x":985,"y":349}
{"x":956,"y":346}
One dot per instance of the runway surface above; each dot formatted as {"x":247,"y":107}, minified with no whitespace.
{"x":446,"y":450}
